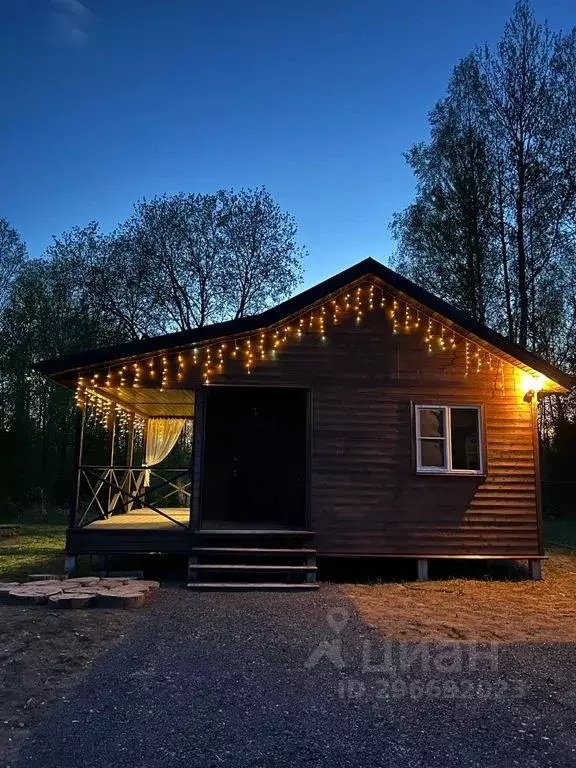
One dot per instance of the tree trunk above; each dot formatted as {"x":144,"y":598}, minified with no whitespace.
{"x":504,"y":249}
{"x":521,"y":247}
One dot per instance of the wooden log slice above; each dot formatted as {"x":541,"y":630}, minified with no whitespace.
{"x":50,"y":589}
{"x":88,"y":589}
{"x":130,"y":590}
{"x":152,"y":585}
{"x":72,"y":600}
{"x":83,"y":580}
{"x":120,"y":598}
{"x":5,"y":588}
{"x":27,"y":596}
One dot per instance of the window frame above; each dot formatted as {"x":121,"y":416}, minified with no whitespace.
{"x":447,"y":469}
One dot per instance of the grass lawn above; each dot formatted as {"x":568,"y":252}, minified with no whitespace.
{"x":36,"y":548}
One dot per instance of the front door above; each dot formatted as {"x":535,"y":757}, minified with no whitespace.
{"x":255,"y":458}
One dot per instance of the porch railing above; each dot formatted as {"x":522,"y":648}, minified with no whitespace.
{"x":108,"y":490}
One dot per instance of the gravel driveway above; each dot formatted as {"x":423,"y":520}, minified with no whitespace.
{"x":281,"y":679}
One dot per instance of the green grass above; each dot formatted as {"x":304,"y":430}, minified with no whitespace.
{"x":38,"y":548}
{"x":560,"y":531}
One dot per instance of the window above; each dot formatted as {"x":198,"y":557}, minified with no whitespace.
{"x":448,"y":439}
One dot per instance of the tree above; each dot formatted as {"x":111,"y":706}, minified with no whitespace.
{"x":446,"y":235}
{"x":521,"y":109}
{"x":185,"y":260}
{"x":263,"y":262}
{"x":122,"y":284}
{"x":49,"y":313}
{"x":12,"y":257}
{"x":493,"y":218}
{"x":180,"y":240}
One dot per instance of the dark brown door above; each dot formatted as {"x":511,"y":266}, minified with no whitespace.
{"x":255,"y":457}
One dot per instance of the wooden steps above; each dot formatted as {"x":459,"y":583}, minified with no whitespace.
{"x":226,"y":557}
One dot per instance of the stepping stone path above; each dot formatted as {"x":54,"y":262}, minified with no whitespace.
{"x":82,"y":592}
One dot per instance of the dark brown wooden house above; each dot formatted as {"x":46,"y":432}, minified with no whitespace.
{"x":363,"y":417}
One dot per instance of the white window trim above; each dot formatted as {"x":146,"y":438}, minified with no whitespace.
{"x":447,"y":469}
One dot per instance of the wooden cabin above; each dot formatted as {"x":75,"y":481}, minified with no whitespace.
{"x":364,"y":417}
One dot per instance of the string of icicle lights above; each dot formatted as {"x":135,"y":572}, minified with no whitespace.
{"x":101,"y":410}
{"x":166,"y":369}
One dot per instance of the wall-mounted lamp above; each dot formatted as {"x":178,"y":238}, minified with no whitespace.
{"x":529,"y":396}
{"x":531,"y":384}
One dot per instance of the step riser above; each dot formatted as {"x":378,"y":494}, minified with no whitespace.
{"x":251,"y":539}
{"x":256,"y":576}
{"x":250,"y":587}
{"x":241,"y":532}
{"x":254,"y":542}
{"x":225,"y":567}
{"x":254,"y":563}
{"x":254,"y":551}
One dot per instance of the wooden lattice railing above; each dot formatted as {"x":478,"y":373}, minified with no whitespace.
{"x":109,"y":490}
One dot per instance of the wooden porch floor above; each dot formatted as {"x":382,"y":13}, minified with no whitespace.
{"x":143,"y":519}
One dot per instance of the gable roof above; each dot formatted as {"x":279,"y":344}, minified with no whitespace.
{"x":57,"y":367}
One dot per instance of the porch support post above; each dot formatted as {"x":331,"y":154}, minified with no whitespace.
{"x":422,"y":570}
{"x":112,"y":442}
{"x":197,"y":461}
{"x":130,"y":462}
{"x":141,"y":487}
{"x":78,"y":449}
{"x":535,"y":569}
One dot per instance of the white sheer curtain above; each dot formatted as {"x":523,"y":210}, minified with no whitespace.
{"x":160,"y":439}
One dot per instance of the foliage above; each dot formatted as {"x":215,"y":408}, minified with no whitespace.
{"x":186,"y":260}
{"x":12,"y":257}
{"x":178,"y":262}
{"x":446,"y":235}
{"x":493,"y":221}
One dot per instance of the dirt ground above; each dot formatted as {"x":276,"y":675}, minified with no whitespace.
{"x":471,"y":609}
{"x":43,"y":653}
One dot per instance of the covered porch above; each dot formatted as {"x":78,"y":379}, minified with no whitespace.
{"x":182,"y":465}
{"x":138,"y":498}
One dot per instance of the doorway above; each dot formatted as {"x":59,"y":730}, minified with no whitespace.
{"x":255,"y":458}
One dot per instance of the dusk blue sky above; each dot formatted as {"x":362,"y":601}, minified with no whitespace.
{"x":103,"y":102}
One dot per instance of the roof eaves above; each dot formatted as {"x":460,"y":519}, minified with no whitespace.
{"x":294,"y":305}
